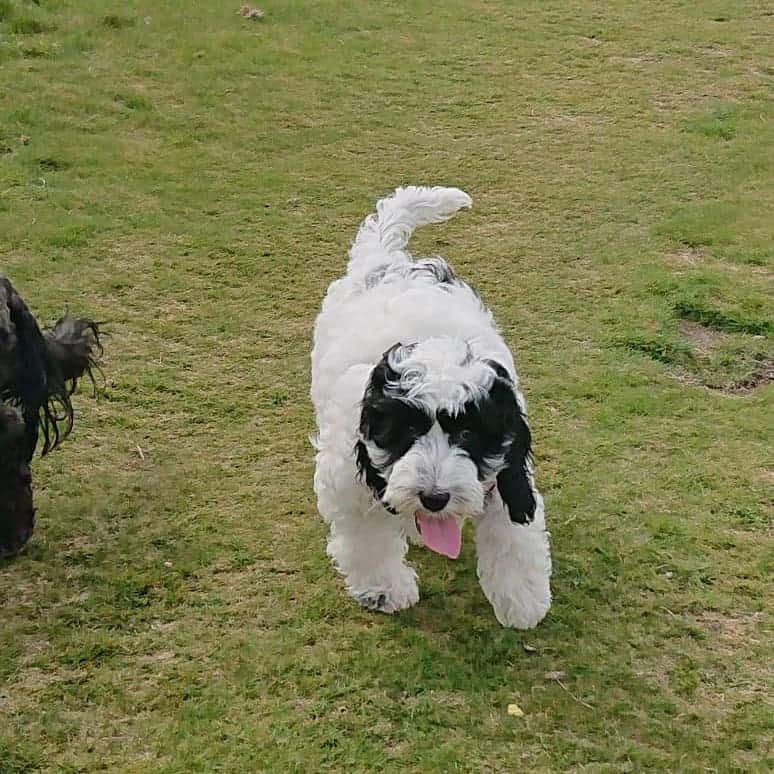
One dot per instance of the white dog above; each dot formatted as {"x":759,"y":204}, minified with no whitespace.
{"x":421,"y":423}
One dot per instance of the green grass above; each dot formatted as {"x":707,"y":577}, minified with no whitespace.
{"x":194,"y":179}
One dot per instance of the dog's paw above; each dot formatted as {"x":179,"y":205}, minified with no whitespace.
{"x":523,"y":610}
{"x":386,"y":601}
{"x":398,"y":596}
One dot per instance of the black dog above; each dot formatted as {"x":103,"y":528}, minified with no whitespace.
{"x":38,"y":374}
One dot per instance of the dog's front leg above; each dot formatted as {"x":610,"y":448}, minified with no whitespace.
{"x":17,"y":516}
{"x":514,"y":564}
{"x":369,"y":550}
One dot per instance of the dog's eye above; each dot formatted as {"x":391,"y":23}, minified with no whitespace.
{"x":395,"y":426}
{"x":459,"y":427}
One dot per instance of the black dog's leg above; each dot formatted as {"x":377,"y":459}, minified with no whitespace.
{"x":17,"y":514}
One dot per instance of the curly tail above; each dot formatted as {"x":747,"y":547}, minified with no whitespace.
{"x":384,"y":234}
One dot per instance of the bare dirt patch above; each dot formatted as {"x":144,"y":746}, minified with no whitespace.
{"x":761,"y":376}
{"x":732,"y":631}
{"x":686,"y":256}
{"x":637,"y":60}
{"x":702,"y":339}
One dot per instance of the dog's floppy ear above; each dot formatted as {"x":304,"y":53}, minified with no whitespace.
{"x":367,"y":472}
{"x":381,"y":374}
{"x":7,"y":335}
{"x":372,"y":416}
{"x":513,"y":481}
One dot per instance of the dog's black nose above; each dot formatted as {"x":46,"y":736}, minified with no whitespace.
{"x":435,"y":501}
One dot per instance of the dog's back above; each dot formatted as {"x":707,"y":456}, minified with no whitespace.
{"x":387,"y":297}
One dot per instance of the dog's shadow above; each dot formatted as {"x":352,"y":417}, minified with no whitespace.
{"x":450,"y":640}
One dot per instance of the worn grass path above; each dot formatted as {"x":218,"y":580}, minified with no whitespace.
{"x":194,"y":179}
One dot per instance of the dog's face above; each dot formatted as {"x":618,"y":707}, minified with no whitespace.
{"x":438,"y":429}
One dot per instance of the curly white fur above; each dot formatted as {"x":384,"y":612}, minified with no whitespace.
{"x":448,"y":337}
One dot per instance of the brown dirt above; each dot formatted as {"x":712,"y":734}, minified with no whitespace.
{"x":762,"y":375}
{"x":702,"y":338}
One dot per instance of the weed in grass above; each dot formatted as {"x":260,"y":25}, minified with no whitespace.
{"x":28,"y":25}
{"x":18,"y":759}
{"x":698,"y":312}
{"x":6,"y":10}
{"x":719,"y":124}
{"x":662,"y":350}
{"x":133,"y":101}
{"x":116,"y":22}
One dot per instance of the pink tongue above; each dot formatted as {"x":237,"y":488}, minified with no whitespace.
{"x":440,"y":535}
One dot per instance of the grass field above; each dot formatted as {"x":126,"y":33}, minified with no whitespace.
{"x":194,"y":179}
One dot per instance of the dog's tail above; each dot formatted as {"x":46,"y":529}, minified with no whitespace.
{"x":384,"y":234}
{"x":73,"y":343}
{"x":73,"y":349}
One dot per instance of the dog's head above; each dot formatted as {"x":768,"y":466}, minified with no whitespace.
{"x":438,"y":428}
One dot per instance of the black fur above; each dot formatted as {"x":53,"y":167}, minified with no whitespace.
{"x":38,"y":374}
{"x":17,"y":514}
{"x":513,"y":481}
{"x":392,"y":424}
{"x":389,"y":422}
{"x":487,"y":428}
{"x":436,"y":268}
{"x":367,"y":472}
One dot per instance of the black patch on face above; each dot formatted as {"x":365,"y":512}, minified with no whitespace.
{"x":487,"y":428}
{"x":388,"y":422}
{"x":393,"y":426}
{"x":482,"y":428}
